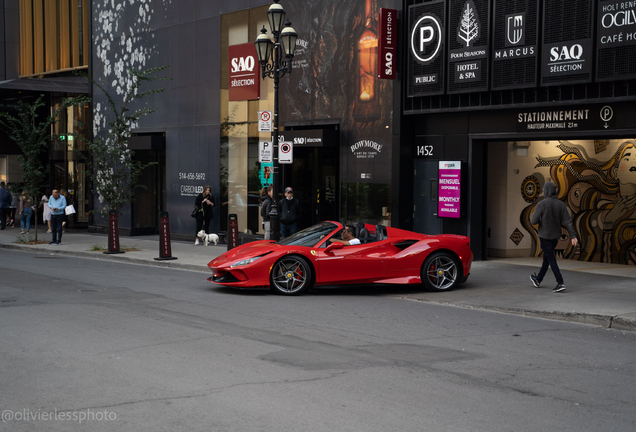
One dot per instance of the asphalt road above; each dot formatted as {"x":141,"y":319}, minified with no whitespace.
{"x":88,"y":344}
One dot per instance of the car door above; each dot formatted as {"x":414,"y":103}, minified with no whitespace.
{"x":364,"y":262}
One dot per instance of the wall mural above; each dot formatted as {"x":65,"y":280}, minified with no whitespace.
{"x":601,"y":197}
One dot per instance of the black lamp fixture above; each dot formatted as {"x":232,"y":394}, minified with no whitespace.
{"x":275,"y":57}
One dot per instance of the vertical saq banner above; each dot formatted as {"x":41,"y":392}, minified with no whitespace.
{"x":387,"y":47}
{"x":449,"y":184}
{"x":245,"y":71}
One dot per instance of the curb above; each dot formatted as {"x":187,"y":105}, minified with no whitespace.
{"x":113,"y":257}
{"x":620,"y":322}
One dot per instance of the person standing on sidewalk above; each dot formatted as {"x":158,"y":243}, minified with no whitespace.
{"x":289,"y":210}
{"x":550,"y":214}
{"x":205,"y":201}
{"x":266,"y":208}
{"x":5,"y":203}
{"x":26,"y":210}
{"x":57,"y":204}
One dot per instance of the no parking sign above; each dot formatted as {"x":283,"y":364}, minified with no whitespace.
{"x":285,"y":153}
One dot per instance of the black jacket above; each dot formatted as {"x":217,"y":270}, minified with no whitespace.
{"x":208,"y":210}
{"x":289,"y":210}
{"x":266,"y":208}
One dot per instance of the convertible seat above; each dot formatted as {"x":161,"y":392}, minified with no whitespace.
{"x":380,"y":232}
{"x":362,"y":233}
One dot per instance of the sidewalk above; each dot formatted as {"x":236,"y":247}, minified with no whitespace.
{"x":599,"y":294}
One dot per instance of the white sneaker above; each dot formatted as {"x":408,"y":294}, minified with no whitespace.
{"x":196,"y":242}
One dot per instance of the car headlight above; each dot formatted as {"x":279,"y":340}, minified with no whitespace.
{"x":245,"y":262}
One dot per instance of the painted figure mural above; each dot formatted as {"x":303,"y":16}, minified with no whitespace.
{"x":601,"y":198}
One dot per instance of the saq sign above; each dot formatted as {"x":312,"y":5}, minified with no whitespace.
{"x":245,"y":82}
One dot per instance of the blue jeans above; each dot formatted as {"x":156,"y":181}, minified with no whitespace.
{"x":25,"y":220}
{"x":287,"y":230}
{"x":549,"y":260}
{"x":56,"y":227}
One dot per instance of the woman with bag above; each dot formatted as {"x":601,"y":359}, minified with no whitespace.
{"x":205,"y":202}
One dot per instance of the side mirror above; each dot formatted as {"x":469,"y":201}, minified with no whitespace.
{"x":334,"y":246}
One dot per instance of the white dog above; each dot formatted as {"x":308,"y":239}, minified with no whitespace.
{"x":208,"y":238}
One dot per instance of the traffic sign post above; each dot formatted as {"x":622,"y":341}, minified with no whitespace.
{"x":264,"y":121}
{"x":265,"y":152}
{"x":285,"y":153}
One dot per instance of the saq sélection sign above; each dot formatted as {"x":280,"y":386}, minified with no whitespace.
{"x":245,"y":80}
{"x":449,"y":189}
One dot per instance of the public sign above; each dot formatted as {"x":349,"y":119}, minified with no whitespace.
{"x":387,"y":47}
{"x":264,"y":121}
{"x":285,"y":153}
{"x":265,"y":152}
{"x":427,"y":53}
{"x":245,"y":71}
{"x":449,"y":185}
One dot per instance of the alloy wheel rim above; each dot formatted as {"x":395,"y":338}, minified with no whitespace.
{"x":290,"y":275}
{"x":442,"y":273}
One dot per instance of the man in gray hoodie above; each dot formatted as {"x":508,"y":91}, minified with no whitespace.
{"x":550,"y":214}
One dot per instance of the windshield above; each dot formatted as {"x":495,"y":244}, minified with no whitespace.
{"x":311,"y":236}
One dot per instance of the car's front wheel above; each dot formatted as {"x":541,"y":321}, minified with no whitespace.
{"x":441,"y":272}
{"x":291,"y":275}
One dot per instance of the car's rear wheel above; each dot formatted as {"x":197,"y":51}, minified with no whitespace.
{"x":441,"y":272}
{"x":291,"y":275}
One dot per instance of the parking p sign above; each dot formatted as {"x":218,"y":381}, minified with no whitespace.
{"x":285,"y":153}
{"x":265,"y":152}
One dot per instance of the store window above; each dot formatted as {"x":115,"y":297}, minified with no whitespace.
{"x":240,"y":170}
{"x":68,"y":155}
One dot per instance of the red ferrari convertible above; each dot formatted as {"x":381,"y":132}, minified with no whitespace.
{"x":307,"y":258}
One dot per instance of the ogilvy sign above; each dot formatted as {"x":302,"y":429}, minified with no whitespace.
{"x":387,"y":47}
{"x":245,"y":80}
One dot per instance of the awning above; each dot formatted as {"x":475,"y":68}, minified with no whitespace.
{"x":75,"y":84}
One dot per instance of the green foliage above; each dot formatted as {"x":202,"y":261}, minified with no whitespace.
{"x":114,"y":172}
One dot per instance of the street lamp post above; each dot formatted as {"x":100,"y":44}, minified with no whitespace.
{"x":275,"y":58}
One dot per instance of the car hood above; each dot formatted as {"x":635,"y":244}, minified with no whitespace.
{"x":245,"y":251}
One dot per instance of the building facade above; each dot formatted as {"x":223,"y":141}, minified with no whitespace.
{"x":454,"y":131}
{"x":521,"y":93}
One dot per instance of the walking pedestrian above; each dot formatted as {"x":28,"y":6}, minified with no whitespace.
{"x":5,"y":203}
{"x":57,"y":204}
{"x":550,"y":214}
{"x":289,"y":209}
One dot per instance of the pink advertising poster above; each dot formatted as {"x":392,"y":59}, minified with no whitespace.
{"x":449,"y":189}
